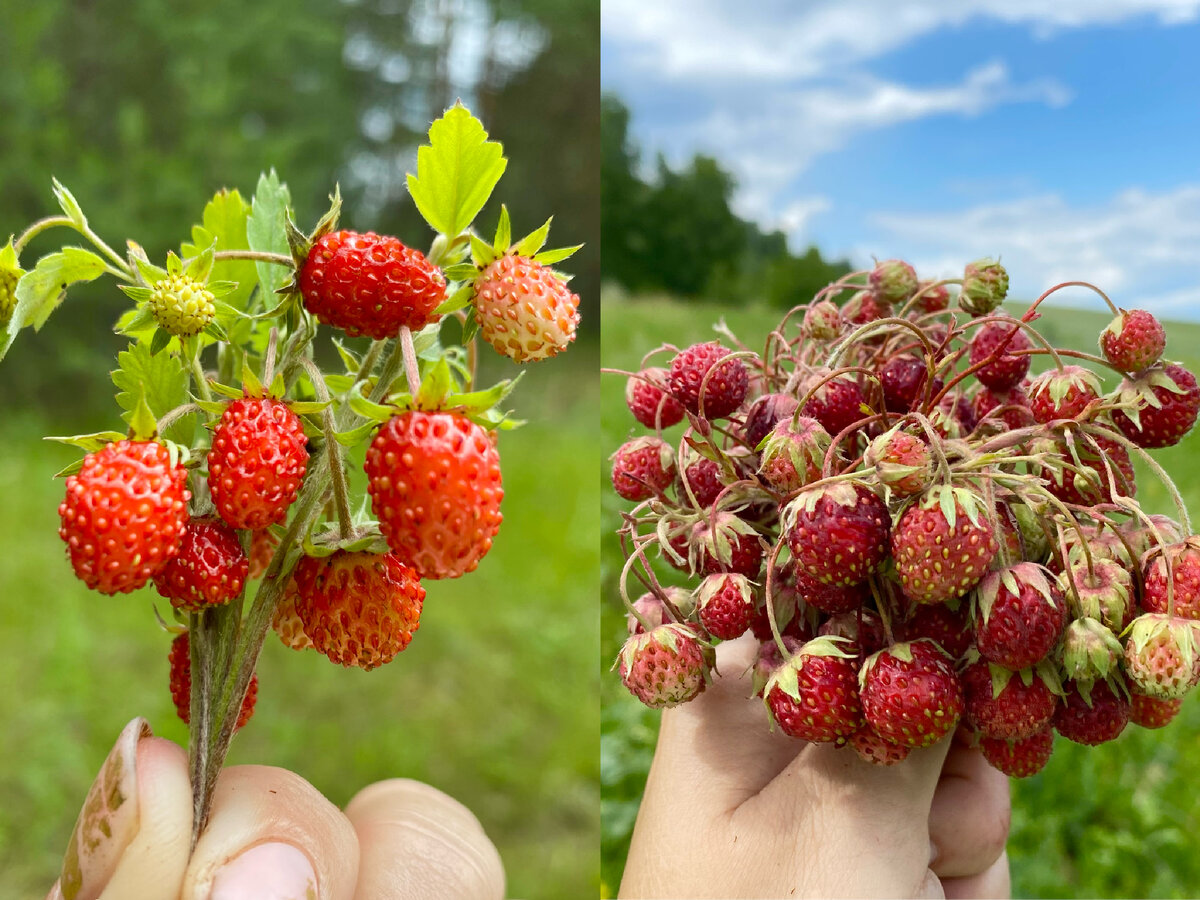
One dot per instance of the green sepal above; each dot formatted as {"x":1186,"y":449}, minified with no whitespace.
{"x":495,"y":420}
{"x":356,"y":436}
{"x":141,"y":320}
{"x":369,"y":410}
{"x":212,"y":407}
{"x":330,"y":542}
{"x":308,"y":407}
{"x":8,"y":260}
{"x":68,"y":203}
{"x":463,"y":271}
{"x":550,"y":257}
{"x":479,"y":401}
{"x":221,"y":288}
{"x":339,"y":383}
{"x":328,"y":222}
{"x":534,"y":241}
{"x":225,"y":390}
{"x":278,"y":387}
{"x":174,"y":263}
{"x":470,"y":326}
{"x":503,"y":230}
{"x":482,"y":253}
{"x":250,"y":383}
{"x":71,"y":469}
{"x":349,"y":360}
{"x":199,"y":267}
{"x":456,"y":301}
{"x":137,"y":293}
{"x":435,"y":386}
{"x":146,"y":270}
{"x":142,"y":424}
{"x":159,"y":342}
{"x":216,"y":331}
{"x":313,"y":430}
{"x":89,"y":442}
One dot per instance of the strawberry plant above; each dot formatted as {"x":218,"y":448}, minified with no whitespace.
{"x":922,"y":537}
{"x":228,"y":485}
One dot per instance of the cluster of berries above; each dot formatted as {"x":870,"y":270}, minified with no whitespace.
{"x":917,"y":533}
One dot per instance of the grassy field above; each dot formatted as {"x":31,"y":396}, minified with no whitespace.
{"x":1115,"y":821}
{"x":494,"y":701}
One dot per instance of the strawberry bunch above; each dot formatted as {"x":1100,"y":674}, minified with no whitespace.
{"x":921,"y":536}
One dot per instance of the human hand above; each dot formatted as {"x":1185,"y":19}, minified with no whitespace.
{"x":272,"y":836}
{"x":734,"y":810}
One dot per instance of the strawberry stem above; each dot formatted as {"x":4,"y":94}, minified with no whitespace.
{"x":38,"y":227}
{"x":411,"y":370}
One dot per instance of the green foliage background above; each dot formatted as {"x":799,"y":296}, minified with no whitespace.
{"x":143,"y":110}
{"x":1118,"y":820}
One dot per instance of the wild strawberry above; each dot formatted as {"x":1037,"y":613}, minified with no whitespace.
{"x":435,"y":486}
{"x":984,"y":287}
{"x":893,"y":280}
{"x":1166,"y":401}
{"x":1183,"y":584}
{"x":794,"y":453}
{"x":643,"y":468}
{"x":829,"y":598}
{"x":864,"y":307}
{"x":666,"y":666}
{"x":651,"y":608}
{"x":262,"y":551}
{"x":703,"y":476}
{"x":838,"y":534}
{"x":769,"y":659}
{"x":876,"y":750}
{"x":286,"y":621}
{"x":789,"y":619}
{"x":822,"y":321}
{"x":836,"y":404}
{"x":1063,"y":393}
{"x":1001,"y":342}
{"x":181,"y":305}
{"x":932,"y":297}
{"x":813,"y":696}
{"x":1019,"y":759}
{"x":1133,"y":341}
{"x":1008,"y":407}
{"x":939,"y":558}
{"x":1088,"y":475}
{"x":1161,"y":655}
{"x":1150,"y":532}
{"x":123,"y":515}
{"x":647,"y":398}
{"x":10,"y":274}
{"x":1019,"y":616}
{"x":359,"y":609}
{"x":209,"y":569}
{"x":726,"y":602}
{"x":1091,"y":714}
{"x":904,"y":379}
{"x":910,"y":694}
{"x":949,"y":629}
{"x":524,"y":309}
{"x":181,"y":684}
{"x":901,"y":460}
{"x":257,"y":461}
{"x":1090,"y":651}
{"x":1005,"y":704}
{"x":725,"y":543}
{"x":862,"y":627}
{"x":1151,"y":712}
{"x":765,"y":413}
{"x":370,"y":284}
{"x":724,"y":385}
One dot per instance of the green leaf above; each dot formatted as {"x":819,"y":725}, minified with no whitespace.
{"x":478,"y":401}
{"x":481,"y":252}
{"x":161,"y":379}
{"x":550,"y":257}
{"x":535,"y":240}
{"x":457,"y":300}
{"x":456,"y":171}
{"x":135,"y":321}
{"x":143,"y":424}
{"x":368,"y":410}
{"x":266,"y":232}
{"x":224,"y":221}
{"x":503,"y":231}
{"x":70,"y":206}
{"x":8,"y":259}
{"x":464,"y":271}
{"x":159,"y":342}
{"x":40,"y":291}
{"x":151,"y":274}
{"x":199,"y":267}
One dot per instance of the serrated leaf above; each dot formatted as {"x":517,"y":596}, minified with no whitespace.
{"x":70,"y":206}
{"x":550,"y":257}
{"x":535,"y":240}
{"x":41,"y":290}
{"x":161,"y":379}
{"x":266,"y":232}
{"x":456,"y":172}
{"x":503,"y":231}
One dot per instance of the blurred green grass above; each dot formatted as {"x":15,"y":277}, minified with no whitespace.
{"x":494,"y":701}
{"x":1119,"y":820}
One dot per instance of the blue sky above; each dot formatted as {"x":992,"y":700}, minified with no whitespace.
{"x":1062,"y":135}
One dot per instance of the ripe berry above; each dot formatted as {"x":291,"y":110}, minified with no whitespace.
{"x":838,"y":534}
{"x":1019,"y":759}
{"x":814,"y":695}
{"x":765,"y":413}
{"x":262,"y":551}
{"x":643,"y":468}
{"x":876,"y":750}
{"x":666,"y":666}
{"x":1019,"y":616}
{"x":893,"y":280}
{"x":524,"y":310}
{"x":910,"y":694}
{"x":1091,"y":717}
{"x":1151,"y":712}
{"x":938,"y":559}
{"x":1133,"y":341}
{"x":1183,"y":583}
{"x":359,"y":609}
{"x":904,"y":379}
{"x":828,"y":598}
{"x":181,"y":684}
{"x":932,"y":297}
{"x":1009,"y":407}
{"x":370,"y":284}
{"x":863,"y":628}
{"x":1063,"y":394}
{"x":123,"y":515}
{"x":257,"y":461}
{"x":949,"y":629}
{"x":794,"y":453}
{"x":209,"y":569}
{"x":1090,"y":479}
{"x":703,"y":476}
{"x":435,"y":486}
{"x":836,"y":404}
{"x":286,"y":621}
{"x":724,"y":389}
{"x":726,"y":543}
{"x":864,"y":307}
{"x":181,"y":305}
{"x":1001,"y":705}
{"x":647,"y":398}
{"x":726,"y":602}
{"x":1167,"y":402}
{"x":999,"y":341}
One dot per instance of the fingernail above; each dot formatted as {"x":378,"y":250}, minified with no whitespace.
{"x":273,"y":871}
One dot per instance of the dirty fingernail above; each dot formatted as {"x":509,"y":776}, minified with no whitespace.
{"x":272,"y":871}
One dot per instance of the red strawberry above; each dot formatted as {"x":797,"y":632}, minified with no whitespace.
{"x":829,"y":598}
{"x":359,"y":609}
{"x":123,"y":515}
{"x":647,"y":398}
{"x":257,"y":461}
{"x":1019,"y":616}
{"x":765,"y":413}
{"x":1166,"y":402}
{"x":181,"y":684}
{"x":904,"y":379}
{"x":814,"y":695}
{"x":937,"y":558}
{"x":1063,"y":394}
{"x":1146,"y":534}
{"x":932,"y":297}
{"x":901,"y":460}
{"x":1091,"y":716}
{"x":209,"y":569}
{"x":861,"y":626}
{"x":1009,"y":407}
{"x":666,"y":666}
{"x":370,"y":284}
{"x":1183,"y":583}
{"x":949,"y":629}
{"x":262,"y":551}
{"x":725,"y":543}
{"x":864,"y":307}
{"x":1019,"y":759}
{"x":435,"y":486}
{"x":794,"y":453}
{"x":1161,"y":655}
{"x":893,"y":280}
{"x":910,"y":694}
{"x":838,"y":534}
{"x":1151,"y":712}
{"x":836,"y":404}
{"x":874,"y":749}
{"x":726,"y":602}
{"x":703,"y":476}
{"x":1133,"y":341}
{"x":723,"y":389}
{"x":1006,"y":704}
{"x":643,"y":468}
{"x":1001,"y":342}
{"x":525,"y":309}
{"x":286,"y":621}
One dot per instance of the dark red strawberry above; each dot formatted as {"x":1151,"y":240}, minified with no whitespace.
{"x":1165,"y":401}
{"x":726,"y":543}
{"x":1002,"y":343}
{"x":1133,"y":341}
{"x":1019,"y":615}
{"x":1089,"y":480}
{"x":1151,"y":712}
{"x":643,"y":468}
{"x":836,"y":404}
{"x":765,"y":413}
{"x":1011,"y":408}
{"x":910,"y":694}
{"x":1006,"y":704}
{"x":1019,"y":759}
{"x":726,"y":602}
{"x":829,"y":598}
{"x":938,"y":559}
{"x":647,"y":398}
{"x":904,"y":379}
{"x":181,"y":684}
{"x":838,"y":534}
{"x":704,"y":478}
{"x":1063,"y":393}
{"x":1092,"y":715}
{"x":813,"y":696}
{"x":696,"y":369}
{"x":949,"y":629}
{"x":864,"y":307}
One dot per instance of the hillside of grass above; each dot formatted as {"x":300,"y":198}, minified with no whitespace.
{"x":1119,"y":820}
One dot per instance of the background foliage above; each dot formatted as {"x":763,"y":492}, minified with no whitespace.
{"x":143,"y":111}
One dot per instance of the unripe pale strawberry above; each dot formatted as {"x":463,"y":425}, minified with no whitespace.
{"x":651,"y":608}
{"x":984,"y":287}
{"x":1104,"y":592}
{"x":524,"y":309}
{"x":893,"y":280}
{"x":1091,"y":651}
{"x":902,"y":461}
{"x":794,"y":453}
{"x":1161,"y":655}
{"x":286,"y":622}
{"x":181,"y":305}
{"x":877,"y":750}
{"x":665,"y":667}
{"x":822,"y":321}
